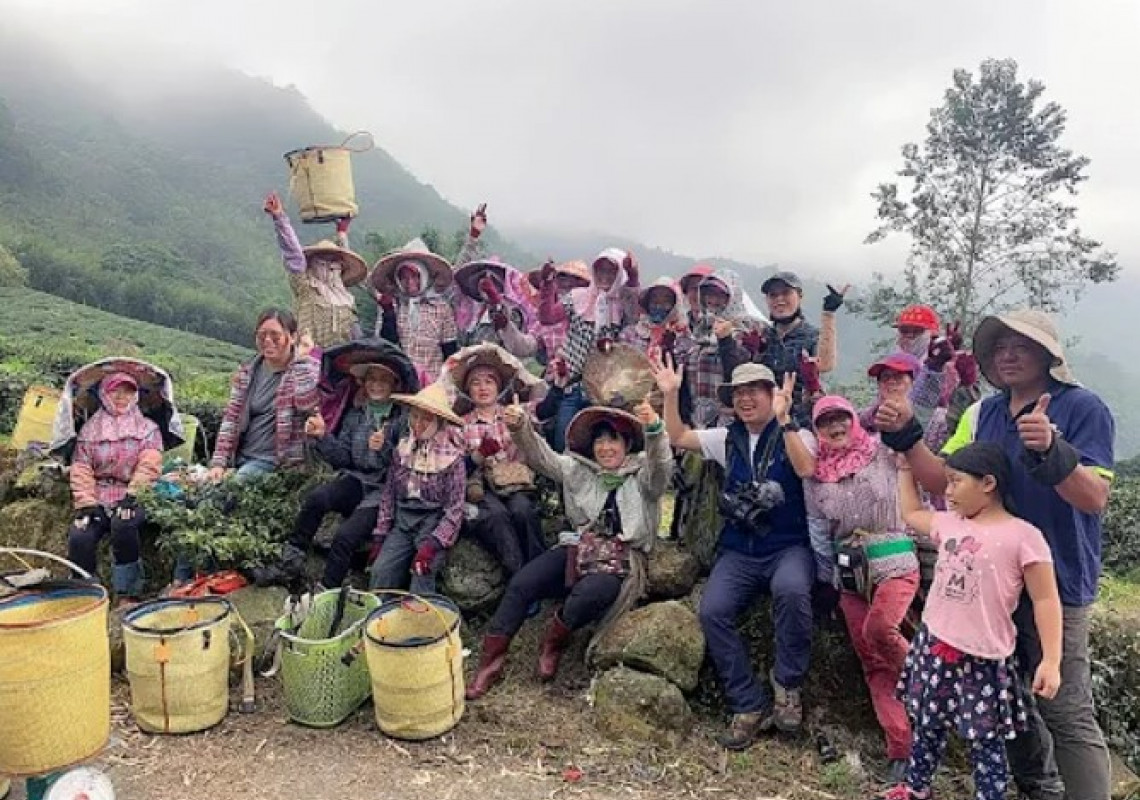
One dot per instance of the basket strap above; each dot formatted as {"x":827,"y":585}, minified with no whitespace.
{"x":359,"y":149}
{"x":16,"y":552}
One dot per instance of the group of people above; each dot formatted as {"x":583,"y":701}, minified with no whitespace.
{"x":471,"y":386}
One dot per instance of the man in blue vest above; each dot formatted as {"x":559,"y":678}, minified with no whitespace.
{"x":1059,"y":438}
{"x":763,"y":544}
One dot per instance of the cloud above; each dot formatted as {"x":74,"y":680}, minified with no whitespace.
{"x":748,"y":129}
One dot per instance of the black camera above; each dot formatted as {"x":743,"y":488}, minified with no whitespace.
{"x":748,"y":507}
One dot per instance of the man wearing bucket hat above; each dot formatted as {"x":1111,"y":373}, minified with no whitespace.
{"x":421,"y":504}
{"x":319,"y":277}
{"x":1059,"y":438}
{"x":616,"y":468}
{"x":763,"y":543}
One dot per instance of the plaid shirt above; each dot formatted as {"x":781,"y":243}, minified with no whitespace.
{"x":706,"y":368}
{"x":296,"y":398}
{"x":446,"y":488}
{"x":581,"y":333}
{"x":476,"y":430}
{"x":422,"y":341}
{"x":102,"y":472}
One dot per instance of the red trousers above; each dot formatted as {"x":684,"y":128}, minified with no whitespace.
{"x":874,"y":631}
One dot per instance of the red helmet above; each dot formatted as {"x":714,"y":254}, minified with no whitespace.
{"x":923,"y":317}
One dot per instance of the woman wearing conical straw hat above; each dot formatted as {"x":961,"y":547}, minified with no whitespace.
{"x":319,"y":277}
{"x":421,"y":504}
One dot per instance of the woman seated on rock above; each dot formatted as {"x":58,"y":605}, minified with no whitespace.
{"x":614,"y":474}
{"x":271,"y":397}
{"x":855,"y":490}
{"x":319,"y":277}
{"x":361,"y":451}
{"x":503,"y":513}
{"x":118,"y":452}
{"x":421,"y":504}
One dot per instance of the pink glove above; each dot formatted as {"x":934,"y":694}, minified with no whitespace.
{"x":387,"y":302}
{"x":490,"y":291}
{"x":967,"y":368}
{"x":631,"y":269}
{"x":342,"y":225}
{"x":939,"y":354}
{"x":560,"y":368}
{"x":499,"y":318}
{"x":809,"y":374}
{"x":424,"y":556}
{"x":754,"y":342}
{"x":954,"y":334}
{"x":548,"y":272}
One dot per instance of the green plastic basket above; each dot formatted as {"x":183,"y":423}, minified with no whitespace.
{"x":325,"y":677}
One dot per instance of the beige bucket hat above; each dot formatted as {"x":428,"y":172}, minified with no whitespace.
{"x":1030,"y":323}
{"x":742,"y":376}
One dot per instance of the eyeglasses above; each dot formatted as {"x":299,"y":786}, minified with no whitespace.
{"x":271,"y":336}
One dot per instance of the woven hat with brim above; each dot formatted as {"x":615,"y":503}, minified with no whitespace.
{"x":360,"y":372}
{"x":433,"y":400}
{"x":742,"y":376}
{"x":469,"y":275}
{"x":580,"y":434}
{"x":353,"y":269}
{"x":899,"y":362}
{"x":791,"y":279}
{"x":575,"y":269}
{"x":509,"y":369}
{"x":384,"y":272}
{"x":1030,"y":323}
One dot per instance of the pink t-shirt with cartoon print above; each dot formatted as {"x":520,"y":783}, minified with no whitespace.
{"x":978,"y":580}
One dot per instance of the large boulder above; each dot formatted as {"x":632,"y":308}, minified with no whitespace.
{"x":699,"y":523}
{"x":472,"y":578}
{"x":639,"y":707}
{"x":662,"y":638}
{"x":673,"y":572}
{"x":36,"y":524}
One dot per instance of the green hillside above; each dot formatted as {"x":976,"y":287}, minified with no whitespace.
{"x":151,"y":206}
{"x":43,"y":338}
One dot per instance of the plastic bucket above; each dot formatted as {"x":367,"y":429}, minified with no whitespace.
{"x":415,"y":658}
{"x":55,"y":678}
{"x":320,"y":180}
{"x":178,"y":663}
{"x":323,"y":669}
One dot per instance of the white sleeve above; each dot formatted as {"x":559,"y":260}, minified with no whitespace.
{"x":713,"y":444}
{"x":810,"y":442}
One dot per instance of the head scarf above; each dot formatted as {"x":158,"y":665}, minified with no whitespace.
{"x":833,"y":465}
{"x":326,"y":281}
{"x":470,"y":312}
{"x":435,"y":452}
{"x":735,"y":311}
{"x":109,"y":425}
{"x":652,"y":331}
{"x":427,"y":290}
{"x":594,"y":305}
{"x":918,"y":347}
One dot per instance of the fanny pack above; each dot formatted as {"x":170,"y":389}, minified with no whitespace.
{"x":853,"y":557}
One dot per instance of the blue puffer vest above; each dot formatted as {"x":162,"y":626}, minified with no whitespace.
{"x":788,"y":520}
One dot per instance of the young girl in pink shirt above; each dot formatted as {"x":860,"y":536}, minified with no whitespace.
{"x":960,"y":673}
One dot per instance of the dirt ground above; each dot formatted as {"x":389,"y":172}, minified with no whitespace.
{"x":523,"y":741}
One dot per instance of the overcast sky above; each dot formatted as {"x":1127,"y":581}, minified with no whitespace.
{"x":751,"y":129}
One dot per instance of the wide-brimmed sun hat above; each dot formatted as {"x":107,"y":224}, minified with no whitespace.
{"x":742,"y":376}
{"x":384,"y":272}
{"x":360,"y":372}
{"x":578,"y":270}
{"x":353,"y":269}
{"x":510,"y":371}
{"x":433,"y":400}
{"x":580,"y":435}
{"x":1034,"y":325}
{"x":469,"y":275}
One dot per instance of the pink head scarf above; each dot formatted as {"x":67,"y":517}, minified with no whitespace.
{"x":594,"y":305}
{"x":833,"y":465}
{"x":109,"y":425}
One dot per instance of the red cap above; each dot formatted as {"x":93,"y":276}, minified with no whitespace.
{"x":899,"y":362}
{"x":923,"y":317}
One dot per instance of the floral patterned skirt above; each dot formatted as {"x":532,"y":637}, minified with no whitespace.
{"x":979,"y":698}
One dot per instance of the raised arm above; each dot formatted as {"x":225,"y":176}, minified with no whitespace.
{"x":533,"y":448}
{"x":914,"y":514}
{"x":654,"y":477}
{"x":828,"y":352}
{"x":292,"y":255}
{"x":803,"y":461}
{"x":669,"y":378}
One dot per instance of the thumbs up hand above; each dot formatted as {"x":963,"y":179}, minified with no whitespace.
{"x":1034,"y":427}
{"x":514,"y":414}
{"x":645,"y":413}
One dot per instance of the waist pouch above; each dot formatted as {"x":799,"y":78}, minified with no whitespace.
{"x":853,"y":558}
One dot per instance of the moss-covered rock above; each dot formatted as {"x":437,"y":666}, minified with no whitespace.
{"x":472,"y":578}
{"x":36,"y":524}
{"x":699,"y":522}
{"x":639,"y":707}
{"x":672,"y":572}
{"x":661,"y":638}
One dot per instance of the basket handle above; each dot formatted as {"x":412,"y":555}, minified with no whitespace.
{"x":409,"y":598}
{"x":359,"y":149}
{"x":15,"y":552}
{"x":247,"y":648}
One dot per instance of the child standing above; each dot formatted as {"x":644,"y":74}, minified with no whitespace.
{"x":959,"y":673}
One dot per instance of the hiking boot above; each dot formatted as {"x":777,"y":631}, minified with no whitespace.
{"x":743,"y":729}
{"x":491,"y":663}
{"x":552,"y":646}
{"x":788,"y":713}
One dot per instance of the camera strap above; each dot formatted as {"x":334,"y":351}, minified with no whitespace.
{"x":761,"y":474}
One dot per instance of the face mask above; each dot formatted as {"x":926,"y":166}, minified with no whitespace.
{"x":657,"y":315}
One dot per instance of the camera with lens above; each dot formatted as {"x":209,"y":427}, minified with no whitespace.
{"x":749,"y":506}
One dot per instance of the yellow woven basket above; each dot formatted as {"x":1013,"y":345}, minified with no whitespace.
{"x":415,"y":659}
{"x":320,"y":180}
{"x":55,"y":678}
